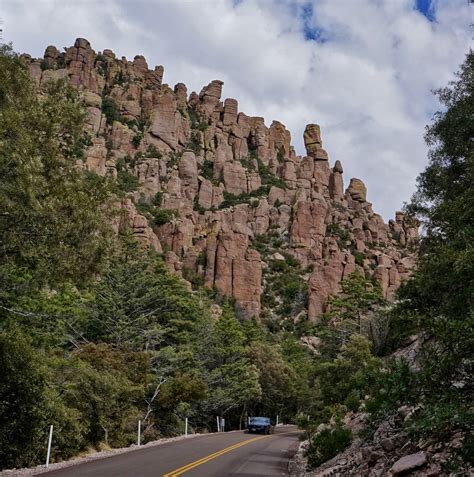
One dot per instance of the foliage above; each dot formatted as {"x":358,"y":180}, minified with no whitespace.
{"x":268,"y":178}
{"x":342,"y":234}
{"x":140,"y":305}
{"x":327,"y":444}
{"x":44,"y":198}
{"x":347,"y":311}
{"x":125,"y":182}
{"x":110,"y":110}
{"x":443,"y":202}
{"x":137,"y":139}
{"x":351,"y":375}
{"x":22,"y":401}
{"x":437,"y":302}
{"x":206,"y":169}
{"x":163,"y":216}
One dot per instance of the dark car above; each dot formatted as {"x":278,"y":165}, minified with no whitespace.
{"x":260,"y":424}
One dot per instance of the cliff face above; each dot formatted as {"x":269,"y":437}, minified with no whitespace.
{"x":238,"y":211}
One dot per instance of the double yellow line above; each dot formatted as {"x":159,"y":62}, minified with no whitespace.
{"x":192,"y":465}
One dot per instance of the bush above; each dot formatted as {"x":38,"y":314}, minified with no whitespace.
{"x":163,"y":216}
{"x":110,"y":110}
{"x":327,"y":444}
{"x":23,"y":419}
{"x":207,"y":169}
{"x":158,"y":199}
{"x":126,"y":182}
{"x":342,"y":234}
{"x":137,"y":139}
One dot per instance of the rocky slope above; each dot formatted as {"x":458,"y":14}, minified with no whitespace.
{"x":224,"y":196}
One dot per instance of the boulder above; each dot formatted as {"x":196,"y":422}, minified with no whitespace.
{"x":312,"y":139}
{"x":408,"y":463}
{"x":357,"y":190}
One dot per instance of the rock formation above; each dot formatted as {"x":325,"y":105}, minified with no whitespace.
{"x":226,"y":183}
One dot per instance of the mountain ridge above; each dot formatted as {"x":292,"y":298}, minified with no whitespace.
{"x":224,"y":197}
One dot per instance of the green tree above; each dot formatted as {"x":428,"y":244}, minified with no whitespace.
{"x":106,"y":388}
{"x":276,"y":379}
{"x":353,"y":374}
{"x":230,"y":377}
{"x":139,"y":303}
{"x":23,"y":408}
{"x":53,"y":219}
{"x":348,"y":311}
{"x":442,"y":289}
{"x":439,"y":297}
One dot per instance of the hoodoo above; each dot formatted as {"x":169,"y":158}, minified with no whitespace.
{"x":232,"y":190}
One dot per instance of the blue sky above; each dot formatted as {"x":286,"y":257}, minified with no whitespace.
{"x":362,"y":69}
{"x":426,"y":7}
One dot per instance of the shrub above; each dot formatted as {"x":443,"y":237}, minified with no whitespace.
{"x":268,"y":179}
{"x":137,"y":139}
{"x":194,"y":143}
{"x":248,"y":163}
{"x":126,"y":182}
{"x":153,"y":152}
{"x":44,"y":66}
{"x":110,"y":110}
{"x":163,"y":216}
{"x":158,"y":199}
{"x":352,"y":401}
{"x":327,"y":444}
{"x":359,"y":258}
{"x":207,"y":169}
{"x":120,"y":79}
{"x":336,"y":229}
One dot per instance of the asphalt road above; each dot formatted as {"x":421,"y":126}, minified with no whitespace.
{"x":236,"y":454}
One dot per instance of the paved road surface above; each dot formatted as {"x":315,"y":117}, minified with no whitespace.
{"x":235,"y":454}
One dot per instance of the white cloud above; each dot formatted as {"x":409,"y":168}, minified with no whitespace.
{"x":368,"y":84}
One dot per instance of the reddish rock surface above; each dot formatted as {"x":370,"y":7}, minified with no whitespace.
{"x":228,"y":182}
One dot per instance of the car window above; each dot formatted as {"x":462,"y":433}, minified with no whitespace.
{"x":259,"y":420}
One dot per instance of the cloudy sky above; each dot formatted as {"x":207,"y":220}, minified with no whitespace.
{"x":362,"y":69}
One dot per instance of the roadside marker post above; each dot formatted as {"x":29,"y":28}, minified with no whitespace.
{"x":139,"y":433}
{"x":48,"y":455}
{"x":186,"y":427}
{"x":218,"y":426}
{"x":277,"y":420}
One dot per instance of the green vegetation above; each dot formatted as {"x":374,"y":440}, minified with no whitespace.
{"x":268,"y":179}
{"x":163,"y":216}
{"x":342,"y":234}
{"x":243,"y":198}
{"x":121,"y":79}
{"x":110,"y":109}
{"x":137,"y":139}
{"x":96,"y":333}
{"x":206,"y":169}
{"x":126,"y":182}
{"x":194,"y":143}
{"x":327,"y":444}
{"x":285,"y":290}
{"x":438,"y":300}
{"x":153,"y":211}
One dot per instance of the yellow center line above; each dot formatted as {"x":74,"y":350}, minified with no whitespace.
{"x":203,"y":460}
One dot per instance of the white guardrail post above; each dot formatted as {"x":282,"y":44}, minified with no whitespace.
{"x":139,"y":433}
{"x":48,"y":455}
{"x":186,"y":427}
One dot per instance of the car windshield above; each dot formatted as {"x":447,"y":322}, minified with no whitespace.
{"x":259,"y":420}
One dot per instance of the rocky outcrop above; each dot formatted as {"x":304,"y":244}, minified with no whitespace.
{"x":389,"y":452}
{"x":216,"y":184}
